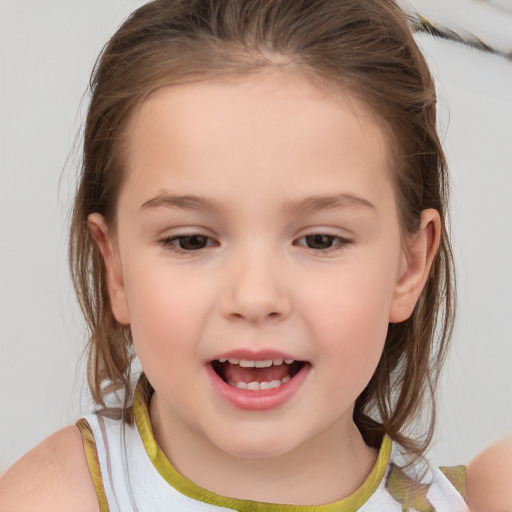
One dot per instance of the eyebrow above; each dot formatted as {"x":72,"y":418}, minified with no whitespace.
{"x":308,"y":204}
{"x":338,"y":201}
{"x":187,"y":202}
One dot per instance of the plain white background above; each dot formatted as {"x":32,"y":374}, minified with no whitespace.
{"x":47,"y":50}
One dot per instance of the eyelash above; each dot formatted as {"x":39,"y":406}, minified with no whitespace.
{"x":174,"y":244}
{"x":337,"y":242}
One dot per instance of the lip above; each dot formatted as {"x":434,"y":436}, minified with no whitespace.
{"x":259,"y":355}
{"x":257,"y":400}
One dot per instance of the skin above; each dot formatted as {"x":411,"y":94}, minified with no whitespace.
{"x":259,"y":147}
{"x":52,"y":477}
{"x":489,"y":479}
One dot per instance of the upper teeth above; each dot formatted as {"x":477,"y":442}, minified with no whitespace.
{"x":247,"y":363}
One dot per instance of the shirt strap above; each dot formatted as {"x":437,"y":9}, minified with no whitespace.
{"x":457,"y":477}
{"x":91,"y":454}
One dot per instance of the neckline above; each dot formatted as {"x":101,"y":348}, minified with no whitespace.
{"x":169,"y":473}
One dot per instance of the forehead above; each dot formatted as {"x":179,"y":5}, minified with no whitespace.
{"x":272,"y":128}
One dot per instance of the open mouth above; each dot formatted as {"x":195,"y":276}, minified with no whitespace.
{"x":257,"y":375}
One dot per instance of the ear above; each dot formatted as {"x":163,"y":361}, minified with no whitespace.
{"x":415,"y":268}
{"x":115,"y":283}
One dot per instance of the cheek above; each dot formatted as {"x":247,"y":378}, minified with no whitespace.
{"x":355,"y":303}
{"x":354,"y":330}
{"x":166,"y":312}
{"x":349,"y":318}
{"x":352,"y":339}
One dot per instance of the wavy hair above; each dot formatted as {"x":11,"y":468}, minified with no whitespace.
{"x":361,"y":46}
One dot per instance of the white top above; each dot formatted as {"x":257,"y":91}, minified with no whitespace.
{"x":131,"y":474}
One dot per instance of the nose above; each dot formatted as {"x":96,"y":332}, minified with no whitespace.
{"x":256,"y":290}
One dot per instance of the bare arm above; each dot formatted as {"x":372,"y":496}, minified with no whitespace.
{"x":489,"y":479}
{"x":52,"y":477}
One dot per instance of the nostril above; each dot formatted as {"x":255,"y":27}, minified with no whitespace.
{"x":273,"y":315}
{"x":251,"y":299}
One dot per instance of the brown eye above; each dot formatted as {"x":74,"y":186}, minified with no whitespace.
{"x":323,"y":243}
{"x":192,"y":242}
{"x":187,"y":243}
{"x":320,"y":242}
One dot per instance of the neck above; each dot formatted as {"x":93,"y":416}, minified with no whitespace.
{"x":326,"y":468}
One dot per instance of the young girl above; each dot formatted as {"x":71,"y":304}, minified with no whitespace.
{"x":261,"y":221}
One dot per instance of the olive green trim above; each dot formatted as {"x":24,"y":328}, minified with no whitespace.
{"x":350,"y":504}
{"x":457,"y":477}
{"x":91,"y":454}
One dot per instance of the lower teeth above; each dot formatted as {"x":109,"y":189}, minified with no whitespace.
{"x":260,"y":386}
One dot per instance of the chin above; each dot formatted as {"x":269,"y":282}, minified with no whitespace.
{"x":256,"y":445}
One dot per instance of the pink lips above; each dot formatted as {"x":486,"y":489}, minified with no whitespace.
{"x":256,"y":400}
{"x":260,"y":355}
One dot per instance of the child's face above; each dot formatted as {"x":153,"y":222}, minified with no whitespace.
{"x":257,"y":221}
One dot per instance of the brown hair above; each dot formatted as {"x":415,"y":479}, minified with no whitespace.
{"x":363,"y":46}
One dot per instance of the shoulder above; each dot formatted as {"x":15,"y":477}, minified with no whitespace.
{"x":489,"y":479}
{"x":53,"y":476}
